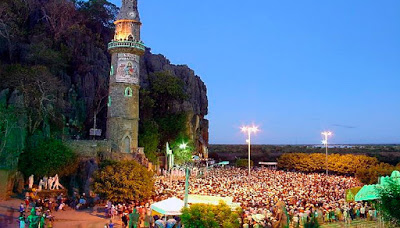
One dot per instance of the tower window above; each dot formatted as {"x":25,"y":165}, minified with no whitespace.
{"x":112,"y":70}
{"x":128,"y":92}
{"x":130,"y":38}
{"x":109,"y":101}
{"x":127,"y":144}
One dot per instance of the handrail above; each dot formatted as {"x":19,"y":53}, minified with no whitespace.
{"x":126,"y":44}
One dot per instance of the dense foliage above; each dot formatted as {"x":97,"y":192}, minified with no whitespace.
{"x":384,"y":153}
{"x":244,"y":163}
{"x":366,"y":169}
{"x":159,"y":124}
{"x":12,"y":136}
{"x":210,"y":216}
{"x":370,"y":175}
{"x":47,"y":158}
{"x":54,"y":53}
{"x":389,"y":202}
{"x":123,"y":181}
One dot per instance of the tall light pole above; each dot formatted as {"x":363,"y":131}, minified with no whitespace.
{"x":325,"y":142}
{"x":249,"y":130}
{"x":183,"y":147}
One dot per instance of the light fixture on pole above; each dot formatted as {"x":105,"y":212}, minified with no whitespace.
{"x":249,"y":130}
{"x":325,"y":142}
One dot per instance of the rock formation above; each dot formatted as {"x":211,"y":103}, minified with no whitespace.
{"x":197,"y":104}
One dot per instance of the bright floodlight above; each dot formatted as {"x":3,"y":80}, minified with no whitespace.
{"x":326,"y":133}
{"x":183,"y":146}
{"x":248,"y":130}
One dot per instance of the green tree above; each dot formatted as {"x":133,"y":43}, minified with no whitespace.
{"x":210,"y":216}
{"x":172,"y":127}
{"x":165,"y":89}
{"x":244,"y":163}
{"x":149,"y":138}
{"x":47,"y":158}
{"x":182,"y":154}
{"x":123,"y":180}
{"x":389,"y":203}
{"x":12,"y":136}
{"x":371,"y":174}
{"x":42,"y":94}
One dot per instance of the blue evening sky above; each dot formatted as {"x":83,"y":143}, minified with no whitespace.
{"x":294,"y":68}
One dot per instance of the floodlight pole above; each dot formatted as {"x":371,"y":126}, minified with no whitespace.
{"x":186,"y":186}
{"x":248,"y":132}
{"x":325,"y":141}
{"x":326,"y":154}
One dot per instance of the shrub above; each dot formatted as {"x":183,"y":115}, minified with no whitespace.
{"x":210,"y":216}
{"x":123,"y":180}
{"x":389,"y":201}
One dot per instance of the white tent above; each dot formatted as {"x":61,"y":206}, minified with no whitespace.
{"x":171,"y":206}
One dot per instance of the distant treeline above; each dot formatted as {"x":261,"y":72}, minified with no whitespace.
{"x":384,"y":153}
{"x":366,"y":169}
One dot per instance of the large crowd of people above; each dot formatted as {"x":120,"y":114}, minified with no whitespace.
{"x":266,"y":197}
{"x":306,"y":197}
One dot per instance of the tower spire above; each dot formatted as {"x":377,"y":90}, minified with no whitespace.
{"x":129,"y":11}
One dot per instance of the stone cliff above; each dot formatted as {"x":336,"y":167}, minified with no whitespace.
{"x":197,"y":103}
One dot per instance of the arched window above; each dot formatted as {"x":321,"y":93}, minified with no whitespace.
{"x":109,"y":101}
{"x":127,"y":144}
{"x":130,"y":37}
{"x":128,"y":92}
{"x":112,"y":70}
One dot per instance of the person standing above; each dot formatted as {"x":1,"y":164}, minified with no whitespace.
{"x":362,"y":212}
{"x":111,"y":224}
{"x":133,"y":219}
{"x":125,"y":219}
{"x":21,"y":221}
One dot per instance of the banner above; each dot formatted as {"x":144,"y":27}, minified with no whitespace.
{"x":127,"y":68}
{"x":351,"y":194}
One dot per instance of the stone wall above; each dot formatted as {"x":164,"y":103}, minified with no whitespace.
{"x":90,"y":148}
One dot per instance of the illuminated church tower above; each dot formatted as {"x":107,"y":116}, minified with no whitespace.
{"x":123,"y":100}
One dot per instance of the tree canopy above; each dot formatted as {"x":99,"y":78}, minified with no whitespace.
{"x":389,"y":202}
{"x":159,"y":124}
{"x":367,"y":169}
{"x":123,"y":181}
{"x":47,"y":158}
{"x":210,"y":216}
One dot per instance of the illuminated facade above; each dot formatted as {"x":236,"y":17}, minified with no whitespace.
{"x":123,"y":101}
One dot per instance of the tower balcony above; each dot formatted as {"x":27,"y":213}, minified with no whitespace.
{"x":133,"y":46}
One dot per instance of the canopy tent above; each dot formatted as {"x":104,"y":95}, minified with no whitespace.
{"x":214,"y":200}
{"x":370,"y":192}
{"x":394,"y":177}
{"x":171,"y":206}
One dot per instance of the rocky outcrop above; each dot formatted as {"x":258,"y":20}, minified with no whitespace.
{"x":196,"y":106}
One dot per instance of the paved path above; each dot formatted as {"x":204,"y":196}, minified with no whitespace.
{"x":88,"y":218}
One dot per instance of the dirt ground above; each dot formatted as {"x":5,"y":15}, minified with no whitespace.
{"x":70,"y":218}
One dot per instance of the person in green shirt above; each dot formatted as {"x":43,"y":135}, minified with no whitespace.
{"x":33,"y":219}
{"x":133,"y":219}
{"x":43,"y":221}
